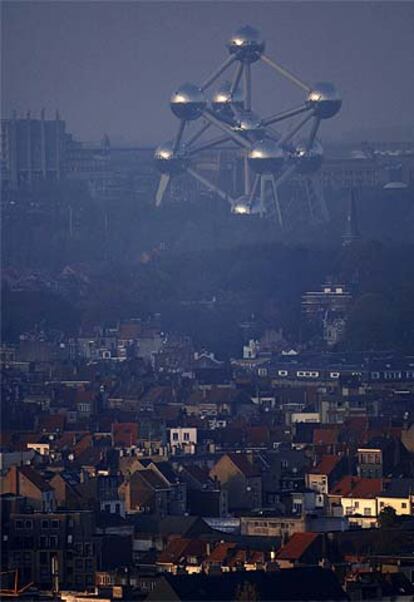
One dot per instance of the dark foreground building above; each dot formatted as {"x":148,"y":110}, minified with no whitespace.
{"x":311,"y":583}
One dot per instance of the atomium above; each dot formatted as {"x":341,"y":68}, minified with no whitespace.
{"x":268,"y":157}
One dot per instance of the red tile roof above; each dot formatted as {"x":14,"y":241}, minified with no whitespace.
{"x":325,"y":436}
{"x":359,"y":487}
{"x":221,"y":551}
{"x":180,"y":548}
{"x":326,"y":465}
{"x":297,"y":546}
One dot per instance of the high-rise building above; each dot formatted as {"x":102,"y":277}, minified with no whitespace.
{"x":32,"y":150}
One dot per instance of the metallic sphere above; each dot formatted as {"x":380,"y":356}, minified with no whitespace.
{"x":247,"y":44}
{"x":223,"y":99}
{"x":307,"y":161}
{"x":247,"y":122}
{"x":266,"y":157}
{"x":169,"y":162}
{"x":188,"y":102}
{"x":324,"y":100}
{"x":241,"y":206}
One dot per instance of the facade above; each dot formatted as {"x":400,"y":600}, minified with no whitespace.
{"x":272,"y":526}
{"x":183,"y":437}
{"x":33,"y":150}
{"x":241,"y":479}
{"x":54,"y":550}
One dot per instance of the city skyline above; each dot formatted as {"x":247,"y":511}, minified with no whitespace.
{"x":104,"y":82}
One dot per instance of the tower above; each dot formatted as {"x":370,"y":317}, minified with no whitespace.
{"x":351,"y":229}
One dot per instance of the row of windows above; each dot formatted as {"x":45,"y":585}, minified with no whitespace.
{"x":393,"y":375}
{"x":386,"y":375}
{"x":273,"y":525}
{"x":44,"y":524}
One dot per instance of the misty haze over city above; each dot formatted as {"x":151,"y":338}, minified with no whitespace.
{"x":207,"y":301}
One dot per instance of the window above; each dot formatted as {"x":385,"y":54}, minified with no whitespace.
{"x":53,"y":541}
{"x":45,"y":524}
{"x":403,"y":505}
{"x":70,"y":539}
{"x":17,"y":557}
{"x":43,"y":558}
{"x":186,"y":436}
{"x":175,"y":436}
{"x":28,"y":524}
{"x":43,"y":542}
{"x":367,"y":511}
{"x":55,"y":524}
{"x":19,"y":524}
{"x":356,"y":504}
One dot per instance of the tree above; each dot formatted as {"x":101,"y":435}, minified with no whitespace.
{"x":387,"y":518}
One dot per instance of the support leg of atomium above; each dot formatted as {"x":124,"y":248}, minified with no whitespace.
{"x":223,"y":195}
{"x":246,"y":174}
{"x":316,"y":199}
{"x":268,"y":181}
{"x":162,"y":188}
{"x":166,"y":177}
{"x":275,"y":184}
{"x":254,"y":189}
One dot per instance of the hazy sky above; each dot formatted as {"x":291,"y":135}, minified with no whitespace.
{"x":110,"y":67}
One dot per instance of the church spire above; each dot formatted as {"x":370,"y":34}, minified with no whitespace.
{"x":351,"y":233}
